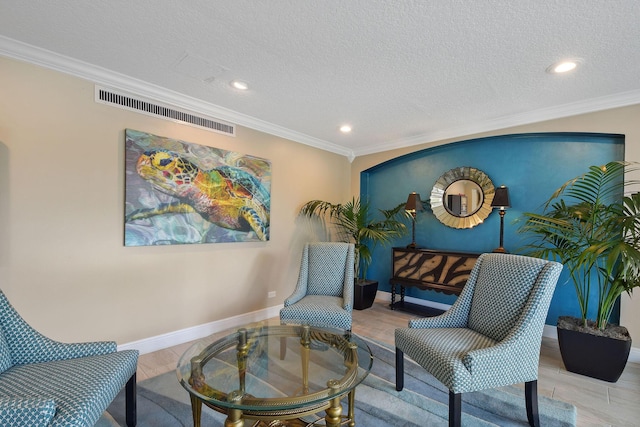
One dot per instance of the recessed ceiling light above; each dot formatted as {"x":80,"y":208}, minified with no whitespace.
{"x":563,"y":66}
{"x":240,"y":85}
{"x":345,"y":128}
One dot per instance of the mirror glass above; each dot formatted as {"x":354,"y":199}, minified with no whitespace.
{"x":461,"y":197}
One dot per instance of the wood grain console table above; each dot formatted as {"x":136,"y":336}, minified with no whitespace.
{"x":442,"y":271}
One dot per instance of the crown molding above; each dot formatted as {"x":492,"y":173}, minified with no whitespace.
{"x":45,"y":58}
{"x":623,"y":99}
{"x":42,"y":57}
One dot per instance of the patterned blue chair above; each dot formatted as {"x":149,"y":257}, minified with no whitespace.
{"x":324,"y":293}
{"x":49,"y":383}
{"x":491,"y":335}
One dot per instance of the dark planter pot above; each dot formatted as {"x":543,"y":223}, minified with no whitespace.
{"x":364,"y":293}
{"x":595,"y":356}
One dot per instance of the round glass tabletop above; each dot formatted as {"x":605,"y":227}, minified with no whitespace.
{"x":263,"y":368}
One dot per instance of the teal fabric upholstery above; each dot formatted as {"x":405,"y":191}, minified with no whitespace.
{"x":324,"y":291}
{"x":491,"y":335}
{"x":28,"y":412}
{"x":49,"y":383}
{"x":5,"y":354}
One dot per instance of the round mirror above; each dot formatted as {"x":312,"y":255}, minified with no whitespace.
{"x":461,"y":197}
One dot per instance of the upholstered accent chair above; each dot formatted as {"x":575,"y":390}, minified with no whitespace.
{"x":324,"y":293}
{"x":48,"y":383}
{"x":491,"y":335}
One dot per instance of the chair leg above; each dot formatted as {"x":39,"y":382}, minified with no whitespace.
{"x":399,"y":369}
{"x":130,"y":402}
{"x":531,"y":397}
{"x":283,"y":347}
{"x":455,"y":409}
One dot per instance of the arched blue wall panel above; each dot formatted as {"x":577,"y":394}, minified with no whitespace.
{"x":533,"y":166}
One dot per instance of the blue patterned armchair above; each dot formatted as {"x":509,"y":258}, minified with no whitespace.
{"x":491,"y":335}
{"x":324,"y":292}
{"x":49,"y":383}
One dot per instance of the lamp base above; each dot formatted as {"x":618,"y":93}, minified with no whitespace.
{"x":500,"y":250}
{"x":412,"y":245}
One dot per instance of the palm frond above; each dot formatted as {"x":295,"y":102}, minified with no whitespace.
{"x":590,"y":227}
{"x":352,"y":223}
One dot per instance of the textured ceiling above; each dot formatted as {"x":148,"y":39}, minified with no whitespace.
{"x":400,"y":72}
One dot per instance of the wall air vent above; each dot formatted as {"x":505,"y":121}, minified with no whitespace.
{"x":151,"y":108}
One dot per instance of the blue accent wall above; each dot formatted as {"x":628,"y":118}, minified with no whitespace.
{"x":533,"y":166}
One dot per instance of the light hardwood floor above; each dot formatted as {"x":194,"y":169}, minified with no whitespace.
{"x":599,"y":403}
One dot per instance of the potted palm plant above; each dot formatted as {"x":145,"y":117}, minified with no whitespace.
{"x":590,"y":226}
{"x":353,"y":223}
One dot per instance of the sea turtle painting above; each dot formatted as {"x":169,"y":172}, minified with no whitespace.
{"x":185,"y":193}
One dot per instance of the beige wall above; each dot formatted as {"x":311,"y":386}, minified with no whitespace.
{"x":62,"y":260}
{"x":620,"y":120}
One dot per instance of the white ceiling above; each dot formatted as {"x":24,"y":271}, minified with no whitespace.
{"x":399,"y":72}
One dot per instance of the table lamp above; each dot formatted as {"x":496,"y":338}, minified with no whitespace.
{"x":413,"y":206}
{"x":501,"y":201}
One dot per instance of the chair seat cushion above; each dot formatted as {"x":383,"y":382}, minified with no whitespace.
{"x":318,"y":310}
{"x":440,"y":351}
{"x":81,"y":388}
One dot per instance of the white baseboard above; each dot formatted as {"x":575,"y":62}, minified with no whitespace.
{"x":550,"y":331}
{"x":386,"y":296}
{"x":431,"y":304}
{"x":160,"y":342}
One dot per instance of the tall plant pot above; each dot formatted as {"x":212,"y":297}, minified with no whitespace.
{"x":595,"y":356}
{"x":364,"y":293}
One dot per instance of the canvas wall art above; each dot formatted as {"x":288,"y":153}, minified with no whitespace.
{"x":179,"y":192}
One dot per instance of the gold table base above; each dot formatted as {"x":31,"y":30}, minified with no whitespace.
{"x":236,"y":418}
{"x":296,"y":423}
{"x":328,"y":400}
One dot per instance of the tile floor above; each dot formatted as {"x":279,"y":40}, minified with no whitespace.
{"x":599,"y":403}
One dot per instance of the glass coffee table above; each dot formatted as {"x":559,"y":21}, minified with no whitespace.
{"x":276,"y":375}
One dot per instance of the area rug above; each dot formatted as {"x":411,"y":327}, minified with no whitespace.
{"x":162,"y":402}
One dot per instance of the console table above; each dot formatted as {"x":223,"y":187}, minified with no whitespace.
{"x":442,"y":271}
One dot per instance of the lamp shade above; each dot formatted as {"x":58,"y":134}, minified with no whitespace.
{"x":501,"y":198}
{"x":413,"y":203}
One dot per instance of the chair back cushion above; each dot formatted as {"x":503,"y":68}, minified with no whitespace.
{"x":6,"y":314}
{"x":326,"y":266}
{"x":503,"y":285}
{"x":5,"y":354}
